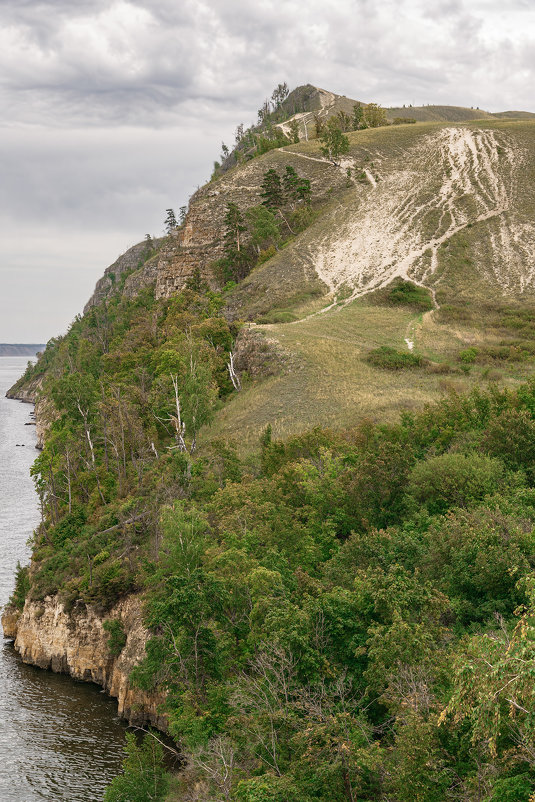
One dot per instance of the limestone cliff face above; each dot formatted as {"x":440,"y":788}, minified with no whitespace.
{"x":76,"y":643}
{"x":134,"y":261}
{"x":194,"y":246}
{"x":45,"y":412}
{"x":198,"y":244}
{"x":26,"y":391}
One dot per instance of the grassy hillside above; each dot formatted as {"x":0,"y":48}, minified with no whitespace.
{"x":425,"y":114}
{"x":454,"y":114}
{"x":318,"y":604}
{"x":449,"y":207}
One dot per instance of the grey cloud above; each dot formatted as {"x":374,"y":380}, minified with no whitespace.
{"x":142,"y":61}
{"x":113,"y":110}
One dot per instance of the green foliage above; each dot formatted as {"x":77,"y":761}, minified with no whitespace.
{"x":358,"y":116}
{"x":405,"y":293}
{"x":144,"y":778}
{"x":22,"y":586}
{"x":269,"y":788}
{"x":237,"y":260}
{"x":494,"y":687}
{"x":264,"y":228}
{"x":375,"y":116}
{"x":343,"y":615}
{"x":455,"y":480}
{"x":293,"y":125}
{"x":170,"y":223}
{"x":334,"y":142}
{"x":391,"y":359}
{"x":266,"y":143}
{"x":468,"y":356}
{"x":116,"y":636}
{"x":513,"y":789}
{"x":295,"y":188}
{"x":272,"y":194}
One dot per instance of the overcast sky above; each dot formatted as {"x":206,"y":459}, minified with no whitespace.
{"x":114,"y":111}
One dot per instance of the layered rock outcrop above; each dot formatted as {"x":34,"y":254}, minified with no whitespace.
{"x":76,"y":643}
{"x":45,"y":412}
{"x":139,"y":261}
{"x":199,"y":243}
{"x":195,"y":246}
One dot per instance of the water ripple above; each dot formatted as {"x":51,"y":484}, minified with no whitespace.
{"x":59,"y":739}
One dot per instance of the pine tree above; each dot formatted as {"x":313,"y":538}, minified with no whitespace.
{"x":170,"y":221}
{"x":235,"y":227}
{"x":236,"y":262}
{"x":265,"y":231}
{"x":272,"y":193}
{"x":303,"y":190}
{"x":290,"y":182}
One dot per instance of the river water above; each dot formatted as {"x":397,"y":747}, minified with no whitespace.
{"x":59,"y":739}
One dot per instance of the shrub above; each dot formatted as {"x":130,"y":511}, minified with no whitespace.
{"x":266,"y":254}
{"x":389,"y":358}
{"x":269,"y":789}
{"x":404,"y":293}
{"x":468,"y":356}
{"x":22,"y":586}
{"x":455,"y":480}
{"x":477,"y":558}
{"x":117,"y":636}
{"x":512,"y":789}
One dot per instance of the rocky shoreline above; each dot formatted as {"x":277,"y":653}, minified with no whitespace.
{"x":75,"y":643}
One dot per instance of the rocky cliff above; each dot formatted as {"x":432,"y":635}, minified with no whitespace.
{"x":198,"y":244}
{"x":76,"y":643}
{"x":30,"y":393}
{"x":130,"y":273}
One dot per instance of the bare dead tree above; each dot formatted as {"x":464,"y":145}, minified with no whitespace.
{"x":178,"y":424}
{"x":85,"y":415}
{"x":235,"y":379}
{"x":218,"y":762}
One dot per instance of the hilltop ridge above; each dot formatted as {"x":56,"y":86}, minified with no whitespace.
{"x":446,"y":206}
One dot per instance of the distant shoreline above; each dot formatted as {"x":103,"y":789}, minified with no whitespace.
{"x":20,"y":349}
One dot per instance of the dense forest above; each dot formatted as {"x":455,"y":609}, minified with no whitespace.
{"x":345,"y":615}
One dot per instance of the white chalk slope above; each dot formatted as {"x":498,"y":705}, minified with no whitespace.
{"x":456,"y":177}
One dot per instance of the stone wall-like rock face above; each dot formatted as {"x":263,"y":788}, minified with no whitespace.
{"x":27,"y":392}
{"x":76,"y":643}
{"x":194,"y":246}
{"x":199,"y":243}
{"x":131,"y":260}
{"x":104,"y":286}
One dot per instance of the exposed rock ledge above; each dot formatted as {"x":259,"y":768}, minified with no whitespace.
{"x":30,"y":393}
{"x":76,"y":643}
